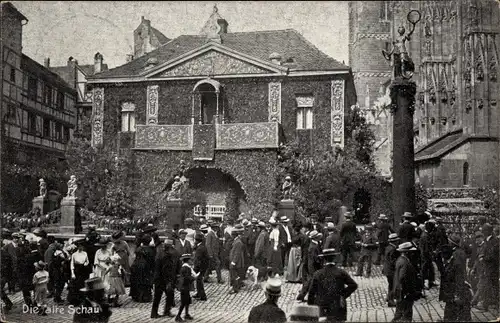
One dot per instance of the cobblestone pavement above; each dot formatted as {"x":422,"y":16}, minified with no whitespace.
{"x":365,"y":305}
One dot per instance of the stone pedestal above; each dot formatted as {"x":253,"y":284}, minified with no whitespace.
{"x":174,"y":213}
{"x":403,"y":160}
{"x":287,"y":208}
{"x":42,"y":203}
{"x":69,"y":211}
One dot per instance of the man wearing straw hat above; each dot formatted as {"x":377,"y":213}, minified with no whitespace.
{"x":237,"y":259}
{"x":384,"y":229}
{"x":390,"y":258}
{"x":405,"y":284}
{"x":330,"y":287}
{"x":312,"y":262}
{"x":269,"y":310}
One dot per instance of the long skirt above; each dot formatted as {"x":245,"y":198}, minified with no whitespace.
{"x":275,"y":261}
{"x":75,"y":296}
{"x":292,"y":270}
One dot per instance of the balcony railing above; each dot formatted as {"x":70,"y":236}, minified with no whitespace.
{"x":232,"y":136}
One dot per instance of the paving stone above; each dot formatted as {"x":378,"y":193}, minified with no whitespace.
{"x":367,"y":304}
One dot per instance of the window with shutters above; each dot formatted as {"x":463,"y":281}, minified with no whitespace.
{"x":128,"y":117}
{"x":305,"y":104}
{"x":32,"y":88}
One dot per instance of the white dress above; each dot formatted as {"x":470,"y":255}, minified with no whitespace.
{"x":101,"y":262}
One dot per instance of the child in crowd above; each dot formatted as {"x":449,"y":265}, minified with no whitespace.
{"x":187,"y":277}
{"x":114,"y":280}
{"x":40,"y":281}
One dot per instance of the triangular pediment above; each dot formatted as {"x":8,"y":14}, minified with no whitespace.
{"x":213,"y":61}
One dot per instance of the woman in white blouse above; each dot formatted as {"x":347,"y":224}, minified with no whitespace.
{"x":275,"y":252}
{"x":79,"y":271}
{"x":102,"y":259}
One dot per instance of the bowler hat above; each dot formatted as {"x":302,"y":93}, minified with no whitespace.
{"x":93,"y":284}
{"x":304,"y":312}
{"x":393,"y":237}
{"x":272,"y":287}
{"x":406,"y":246}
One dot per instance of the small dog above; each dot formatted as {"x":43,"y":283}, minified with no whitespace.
{"x":252,"y":276}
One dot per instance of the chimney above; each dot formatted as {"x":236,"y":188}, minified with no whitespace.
{"x":223,"y":26}
{"x":130,"y":58}
{"x":70,"y":60}
{"x":98,"y":63}
{"x":46,"y":62}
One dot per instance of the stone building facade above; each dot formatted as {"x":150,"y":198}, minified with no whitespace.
{"x":221,"y":104}
{"x":38,"y":119}
{"x":455,"y":50}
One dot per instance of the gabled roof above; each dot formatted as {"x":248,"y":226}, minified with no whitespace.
{"x":65,"y":71}
{"x":161,"y":37}
{"x":259,"y":44}
{"x":35,"y":68}
{"x":444,"y":144}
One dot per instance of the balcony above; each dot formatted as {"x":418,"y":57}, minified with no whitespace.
{"x":233,"y":136}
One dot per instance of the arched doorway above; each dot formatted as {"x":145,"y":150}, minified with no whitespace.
{"x":221,"y":193}
{"x":362,"y":203}
{"x":210,"y":108}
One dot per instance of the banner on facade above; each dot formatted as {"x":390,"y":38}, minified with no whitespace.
{"x":203,"y":141}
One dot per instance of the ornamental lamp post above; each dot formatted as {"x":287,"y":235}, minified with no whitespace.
{"x":402,"y":94}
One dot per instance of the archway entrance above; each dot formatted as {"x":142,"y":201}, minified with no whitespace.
{"x":218,"y":193}
{"x":362,"y":202}
{"x":207,"y":93}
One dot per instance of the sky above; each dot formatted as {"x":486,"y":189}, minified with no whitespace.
{"x":60,"y":29}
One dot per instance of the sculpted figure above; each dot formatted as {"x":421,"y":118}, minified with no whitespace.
{"x":175,"y":191}
{"x":286,"y":189}
{"x":72,"y":186}
{"x":43,"y":187}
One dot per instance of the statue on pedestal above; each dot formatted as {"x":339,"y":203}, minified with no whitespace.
{"x":401,"y":62}
{"x":72,"y":186}
{"x":175,"y":191}
{"x":286,"y":188}
{"x":43,"y":187}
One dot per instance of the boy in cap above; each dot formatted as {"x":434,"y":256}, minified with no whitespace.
{"x":368,"y":248}
{"x":269,"y":310}
{"x":187,"y":276}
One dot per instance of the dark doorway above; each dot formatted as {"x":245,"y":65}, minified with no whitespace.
{"x":362,"y":202}
{"x":465,"y":174}
{"x":208,"y":103}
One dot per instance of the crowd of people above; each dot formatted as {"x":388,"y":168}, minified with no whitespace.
{"x":96,"y":270}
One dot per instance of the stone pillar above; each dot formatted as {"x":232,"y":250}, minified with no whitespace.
{"x":68,"y":214}
{"x":287,"y":208}
{"x":403,"y":161}
{"x":174,"y":213}
{"x":41,"y":202}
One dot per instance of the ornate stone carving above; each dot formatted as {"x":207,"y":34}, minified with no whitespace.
{"x":304,"y":101}
{"x":164,"y":137}
{"x":152,"y":105}
{"x":176,"y":190}
{"x":98,"y":116}
{"x":479,"y":67}
{"x":480,"y":104}
{"x":337,"y":113}
{"x":286,"y":188}
{"x":72,"y":186}
{"x":493,"y":60}
{"x":274,"y":101}
{"x":43,"y":187}
{"x":247,"y":135}
{"x":213,"y":63}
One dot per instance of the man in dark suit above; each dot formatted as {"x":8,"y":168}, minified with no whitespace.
{"x":406,"y":230}
{"x":212,"y":243}
{"x":332,"y":240}
{"x":237,"y":259}
{"x":269,"y":312}
{"x":285,"y":238}
{"x":405,"y":284}
{"x":315,"y":225}
{"x":426,"y":250}
{"x":348,"y":235}
{"x":261,"y":247}
{"x":167,"y":267}
{"x":182,"y":245}
{"x":330,"y":287}
{"x":390,"y":258}
{"x":440,"y":239}
{"x":489,"y":260}
{"x":201,"y":263}
{"x":384,"y":229}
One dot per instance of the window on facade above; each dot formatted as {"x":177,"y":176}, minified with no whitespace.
{"x":385,"y":10}
{"x":128,"y":117}
{"x":31,"y":123}
{"x":305,"y":105}
{"x":11,"y":114}
{"x":46,"y":128}
{"x":66,"y":134}
{"x":58,"y":131}
{"x":47,"y":95}
{"x":60,"y":100}
{"x":32,"y":87}
{"x":466,"y":174}
{"x":13,"y":74}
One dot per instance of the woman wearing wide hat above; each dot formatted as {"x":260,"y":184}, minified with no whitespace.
{"x":121,"y":247}
{"x":102,"y":259}
{"x":93,"y":307}
{"x":142,"y":271}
